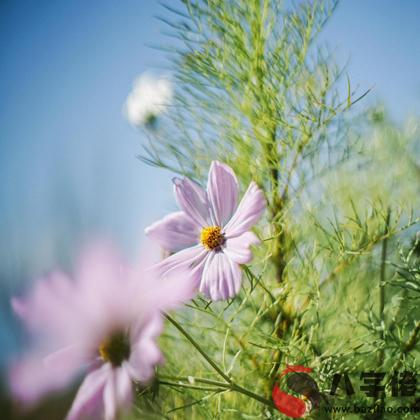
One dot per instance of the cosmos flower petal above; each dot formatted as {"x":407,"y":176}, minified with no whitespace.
{"x":221,"y":278}
{"x":238,"y":247}
{"x":184,"y":265}
{"x":124,"y":388}
{"x":48,"y":296}
{"x":110,"y":399}
{"x":88,"y":402}
{"x":142,"y":370}
{"x":147,"y":330}
{"x":70,"y":360}
{"x":174,"y":232}
{"x":248,"y":213}
{"x":118,"y":393}
{"x":193,"y":200}
{"x":101,"y":264}
{"x":145,"y":353}
{"x":222,"y":191}
{"x":31,"y":377}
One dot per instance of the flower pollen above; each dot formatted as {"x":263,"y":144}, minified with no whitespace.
{"x":211,"y":237}
{"x":115,"y":349}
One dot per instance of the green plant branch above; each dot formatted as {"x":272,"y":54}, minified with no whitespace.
{"x":190,"y":386}
{"x":408,"y":346}
{"x":211,"y":362}
{"x":193,"y":379}
{"x":238,"y":339}
{"x":381,"y":353}
{"x":344,"y":264}
{"x":382,"y":288}
{"x":229,"y":383}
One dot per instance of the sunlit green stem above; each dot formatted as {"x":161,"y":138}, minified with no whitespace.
{"x":193,"y":379}
{"x":198,"y":348}
{"x":382,"y":287}
{"x":408,"y":346}
{"x":229,"y":383}
{"x":191,"y":386}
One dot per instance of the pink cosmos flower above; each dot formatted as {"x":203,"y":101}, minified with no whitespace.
{"x":105,"y":323}
{"x":211,"y":235}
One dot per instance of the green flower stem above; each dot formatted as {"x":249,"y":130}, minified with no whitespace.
{"x":189,"y":386}
{"x":229,"y":383}
{"x":251,"y":394}
{"x":217,"y":387}
{"x":381,"y":354}
{"x":382,"y":287}
{"x":193,"y":379}
{"x":198,"y":348}
{"x":408,"y":346}
{"x":412,"y":341}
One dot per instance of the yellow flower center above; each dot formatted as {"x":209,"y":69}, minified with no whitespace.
{"x":211,"y":237}
{"x":115,"y":349}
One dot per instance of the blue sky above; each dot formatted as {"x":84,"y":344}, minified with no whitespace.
{"x":67,"y":155}
{"x":381,"y":39}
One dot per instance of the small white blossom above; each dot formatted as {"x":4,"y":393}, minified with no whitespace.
{"x":149,"y":98}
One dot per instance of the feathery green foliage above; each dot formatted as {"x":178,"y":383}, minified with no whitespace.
{"x":335,"y":285}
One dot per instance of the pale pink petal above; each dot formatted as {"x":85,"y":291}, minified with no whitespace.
{"x":100,"y":265}
{"x":221,"y":278}
{"x":110,"y":400}
{"x":180,"y":283}
{"x":88,"y":402}
{"x":173,"y":281}
{"x":124,"y":388}
{"x":193,"y":200}
{"x":69,"y":360}
{"x":33,"y":377}
{"x":29,"y":380}
{"x":145,"y":353}
{"x":118,"y":393}
{"x":48,"y":296}
{"x":108,"y":295}
{"x":238,"y":248}
{"x":174,"y":232}
{"x":222,"y":190}
{"x":150,"y":329}
{"x":185,"y":265}
{"x":149,"y":253}
{"x":186,"y":257}
{"x":248,"y":212}
{"x":174,"y":290}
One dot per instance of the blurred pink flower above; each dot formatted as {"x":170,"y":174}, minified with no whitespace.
{"x":105,"y":323}
{"x":210,"y":236}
